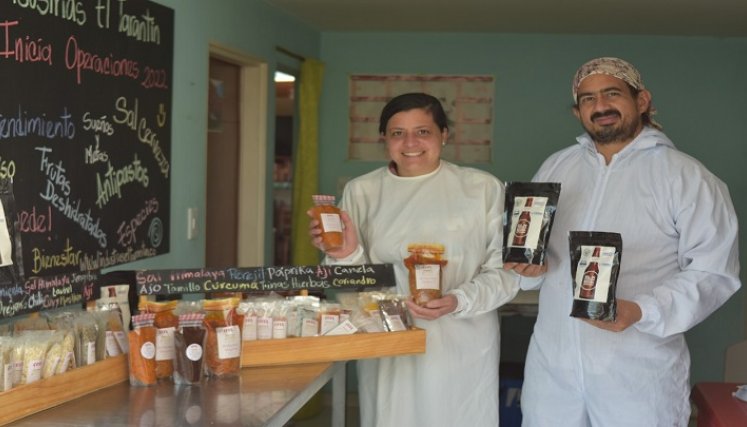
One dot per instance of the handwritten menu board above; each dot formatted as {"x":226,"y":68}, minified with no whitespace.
{"x":85,"y":130}
{"x":265,"y":279}
{"x":48,"y":292}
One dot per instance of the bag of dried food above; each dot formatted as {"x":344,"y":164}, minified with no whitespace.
{"x":142,"y":355}
{"x":595,"y":265}
{"x":425,"y":265}
{"x":189,"y":343}
{"x":529,"y":211}
{"x":165,"y":323}
{"x":223,"y":340}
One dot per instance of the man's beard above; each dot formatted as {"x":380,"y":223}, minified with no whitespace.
{"x":623,"y":131}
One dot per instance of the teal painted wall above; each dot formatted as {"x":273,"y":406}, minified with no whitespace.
{"x":698,"y":86}
{"x":247,"y":26}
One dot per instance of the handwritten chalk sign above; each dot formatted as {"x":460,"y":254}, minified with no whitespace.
{"x":265,"y":279}
{"x":49,"y":292}
{"x":85,"y":130}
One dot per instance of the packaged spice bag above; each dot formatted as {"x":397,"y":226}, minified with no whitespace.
{"x":189,"y":342}
{"x":223,"y":339}
{"x":142,"y":355}
{"x":425,"y":265}
{"x":165,"y":323}
{"x":595,"y":265}
{"x":394,"y":314}
{"x":529,"y":211}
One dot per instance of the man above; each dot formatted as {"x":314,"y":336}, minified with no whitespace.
{"x":679,"y":264}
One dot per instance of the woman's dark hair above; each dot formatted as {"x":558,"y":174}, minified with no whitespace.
{"x":411,"y":101}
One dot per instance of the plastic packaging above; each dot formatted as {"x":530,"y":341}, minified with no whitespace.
{"x":328,"y":215}
{"x":527,"y":220}
{"x":595,"y":265}
{"x":425,"y":265}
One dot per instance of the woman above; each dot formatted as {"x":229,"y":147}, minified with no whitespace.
{"x":420,"y":198}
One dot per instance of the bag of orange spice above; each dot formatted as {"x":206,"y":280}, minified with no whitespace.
{"x":142,"y":355}
{"x":425,"y":265}
{"x":223,"y":339}
{"x":165,"y":323}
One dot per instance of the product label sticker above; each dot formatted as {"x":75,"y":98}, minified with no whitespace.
{"x":427,"y":276}
{"x":90,"y":352}
{"x":279,"y":328}
{"x":526,"y":221}
{"x":112,"y":347}
{"x":331,"y":222}
{"x":229,"y":342}
{"x":148,"y":350}
{"x":594,"y":272}
{"x":121,"y":337}
{"x":249,"y":332}
{"x":309,"y":327}
{"x":193,"y":352}
{"x":165,"y":344}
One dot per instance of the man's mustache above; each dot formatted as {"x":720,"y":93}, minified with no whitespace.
{"x":605,"y":113}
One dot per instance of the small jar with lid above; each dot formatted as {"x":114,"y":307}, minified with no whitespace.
{"x":328,"y":215}
{"x":425,"y":266}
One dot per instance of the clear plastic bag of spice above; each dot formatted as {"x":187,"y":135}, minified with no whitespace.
{"x":142,"y":355}
{"x":595,"y":265}
{"x":6,"y":371}
{"x":223,"y":337}
{"x":394,"y":314}
{"x":527,"y":220}
{"x":165,"y":322}
{"x":86,"y":336}
{"x":189,"y":343}
{"x":425,"y":266}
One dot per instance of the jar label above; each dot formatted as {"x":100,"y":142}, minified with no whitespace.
{"x":331,"y":222}
{"x":148,"y":350}
{"x":427,"y":276}
{"x":194,"y":352}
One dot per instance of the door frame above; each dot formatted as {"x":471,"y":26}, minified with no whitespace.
{"x":252,"y":188}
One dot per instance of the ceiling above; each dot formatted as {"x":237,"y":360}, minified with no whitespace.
{"x":721,"y":18}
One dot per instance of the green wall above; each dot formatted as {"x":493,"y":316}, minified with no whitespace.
{"x":698,"y":86}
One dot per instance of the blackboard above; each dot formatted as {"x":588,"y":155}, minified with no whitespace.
{"x":85,"y":130}
{"x":48,"y":292}
{"x":265,"y":279}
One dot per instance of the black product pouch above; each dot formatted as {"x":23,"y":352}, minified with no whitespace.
{"x":527,"y":220}
{"x":595,"y":265}
{"x":11,"y":261}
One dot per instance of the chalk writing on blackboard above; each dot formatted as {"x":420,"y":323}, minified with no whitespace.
{"x":85,"y":130}
{"x":48,"y":292}
{"x":265,"y":279}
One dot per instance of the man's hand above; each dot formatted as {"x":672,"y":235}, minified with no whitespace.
{"x":628,"y":313}
{"x":527,"y":270}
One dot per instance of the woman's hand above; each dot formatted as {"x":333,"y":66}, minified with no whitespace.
{"x":349,"y":236}
{"x":527,"y":270}
{"x":434,"y":308}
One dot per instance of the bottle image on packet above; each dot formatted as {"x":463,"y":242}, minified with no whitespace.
{"x":529,"y":211}
{"x":595,"y":265}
